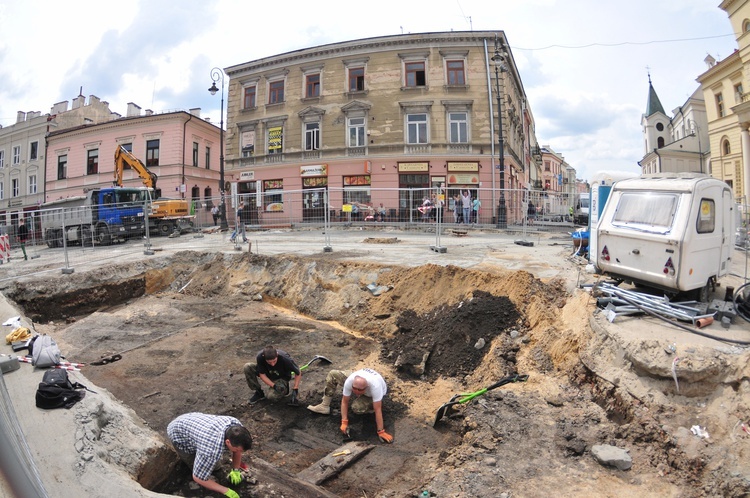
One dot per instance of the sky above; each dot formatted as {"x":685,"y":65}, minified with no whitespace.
{"x":584,"y":64}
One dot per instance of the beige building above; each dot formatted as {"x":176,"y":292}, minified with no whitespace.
{"x":402,"y":112}
{"x":728,"y":105}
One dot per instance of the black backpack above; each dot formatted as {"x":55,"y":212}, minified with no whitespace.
{"x":57,"y":391}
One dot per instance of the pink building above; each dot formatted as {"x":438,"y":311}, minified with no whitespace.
{"x":179,"y":147}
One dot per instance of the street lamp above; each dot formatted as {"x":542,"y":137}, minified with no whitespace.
{"x":216,"y":74}
{"x":499,"y":60}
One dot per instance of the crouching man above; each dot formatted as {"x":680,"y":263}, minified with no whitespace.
{"x":368,"y":387}
{"x":275,"y":369}
{"x":201,"y":439}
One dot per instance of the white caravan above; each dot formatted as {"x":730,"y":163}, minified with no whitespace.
{"x":671,"y":232}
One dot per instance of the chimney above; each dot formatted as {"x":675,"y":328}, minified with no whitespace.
{"x":60,"y":107}
{"x":79,"y":101}
{"x":133,"y":110}
{"x":20,"y":117}
{"x":195,"y":111}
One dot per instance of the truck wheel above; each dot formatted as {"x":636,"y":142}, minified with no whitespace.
{"x":703,"y":294}
{"x":165,"y":227}
{"x":103,"y":237}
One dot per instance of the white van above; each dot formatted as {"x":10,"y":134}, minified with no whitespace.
{"x":581,"y":209}
{"x":671,"y":232}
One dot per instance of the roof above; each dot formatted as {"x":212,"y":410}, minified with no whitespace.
{"x":653,"y":105}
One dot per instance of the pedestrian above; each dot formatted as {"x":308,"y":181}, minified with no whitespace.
{"x":466,"y":205}
{"x":531,"y":212}
{"x":368,"y":386}
{"x":215,"y":214}
{"x":201,"y":439}
{"x":457,"y":209}
{"x":274,"y":368}
{"x":381,"y":212}
{"x":240,"y":224}
{"x":476,"y":204}
{"x":23,"y":236}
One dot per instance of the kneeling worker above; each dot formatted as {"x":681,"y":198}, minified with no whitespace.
{"x":200,"y":441}
{"x":274,"y":368}
{"x":369,"y":388}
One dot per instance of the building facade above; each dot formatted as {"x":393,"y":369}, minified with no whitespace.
{"x":179,"y":147}
{"x":677,"y":144}
{"x":728,"y":105}
{"x":374,"y":118}
{"x":23,"y":154}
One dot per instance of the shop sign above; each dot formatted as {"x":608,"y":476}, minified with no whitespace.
{"x":313,"y":170}
{"x":456,"y":166}
{"x":247,"y":175}
{"x":413,"y":167}
{"x":463,"y":179}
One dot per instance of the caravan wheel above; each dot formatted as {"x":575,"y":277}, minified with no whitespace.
{"x":703,"y":294}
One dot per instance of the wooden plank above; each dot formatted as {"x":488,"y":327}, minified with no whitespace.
{"x":334,"y":462}
{"x":285,"y":484}
{"x":311,"y":441}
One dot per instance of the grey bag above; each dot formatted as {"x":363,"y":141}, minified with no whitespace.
{"x":45,"y":352}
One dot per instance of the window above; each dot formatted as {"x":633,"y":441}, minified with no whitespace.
{"x":276,"y":92}
{"x":2,"y":190}
{"x":152,"y":153}
{"x":2,"y":159}
{"x":32,"y":184}
{"x":726,"y":147}
{"x":415,"y":74}
{"x":249,"y":100}
{"x":208,"y":157}
{"x":312,"y":136}
{"x":720,"y":105}
{"x":16,"y":154}
{"x":312,"y":85}
{"x":275,"y":139}
{"x":273,"y":195}
{"x":247,"y":141}
{"x":62,"y":167}
{"x":128,"y":147}
{"x":706,"y":216}
{"x":33,"y":151}
{"x":356,"y":79}
{"x":646,"y":211}
{"x":92,"y":161}
{"x":356,"y":132}
{"x":456,"y":73}
{"x":659,"y":127}
{"x":738,"y":94}
{"x":15,"y":187}
{"x":416,"y":128}
{"x":195,"y":154}
{"x":458,"y":127}
{"x":660,"y":142}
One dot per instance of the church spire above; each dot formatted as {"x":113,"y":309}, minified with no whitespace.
{"x":653,"y":105}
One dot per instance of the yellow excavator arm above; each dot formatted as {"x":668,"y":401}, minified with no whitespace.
{"x":123,"y":158}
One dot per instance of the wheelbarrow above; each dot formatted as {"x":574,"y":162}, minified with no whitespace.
{"x":460,"y":399}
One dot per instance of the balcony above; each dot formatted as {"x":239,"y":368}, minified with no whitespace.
{"x":356,"y":151}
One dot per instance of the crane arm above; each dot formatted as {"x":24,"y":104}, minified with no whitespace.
{"x":123,"y":158}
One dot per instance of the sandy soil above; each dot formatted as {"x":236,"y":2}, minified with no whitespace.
{"x":195,"y":321}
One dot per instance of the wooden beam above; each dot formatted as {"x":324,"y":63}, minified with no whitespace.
{"x":285,"y":484}
{"x":334,"y":462}
{"x":310,"y":441}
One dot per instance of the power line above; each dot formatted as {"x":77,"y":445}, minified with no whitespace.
{"x":619,"y":44}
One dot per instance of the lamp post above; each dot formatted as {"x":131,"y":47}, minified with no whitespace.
{"x":498,"y":59}
{"x":216,"y":74}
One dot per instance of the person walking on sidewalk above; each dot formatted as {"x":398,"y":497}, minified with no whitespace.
{"x":201,"y":439}
{"x":240,"y":226}
{"x":368,"y":387}
{"x":23,"y":236}
{"x":274,"y":368}
{"x":215,"y":214}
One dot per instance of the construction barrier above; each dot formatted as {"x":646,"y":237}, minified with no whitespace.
{"x":4,"y":248}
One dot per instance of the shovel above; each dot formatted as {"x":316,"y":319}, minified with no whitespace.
{"x":322,"y":359}
{"x":459,"y":399}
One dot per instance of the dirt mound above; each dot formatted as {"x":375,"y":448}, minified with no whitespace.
{"x":451,"y":340}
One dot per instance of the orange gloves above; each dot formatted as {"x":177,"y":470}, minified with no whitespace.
{"x":344,"y":427}
{"x":385,"y":437}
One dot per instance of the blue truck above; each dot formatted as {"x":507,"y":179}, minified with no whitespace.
{"x":102,"y":216}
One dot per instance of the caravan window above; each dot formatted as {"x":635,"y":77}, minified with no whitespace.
{"x":646,"y":211}
{"x":706,"y":216}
